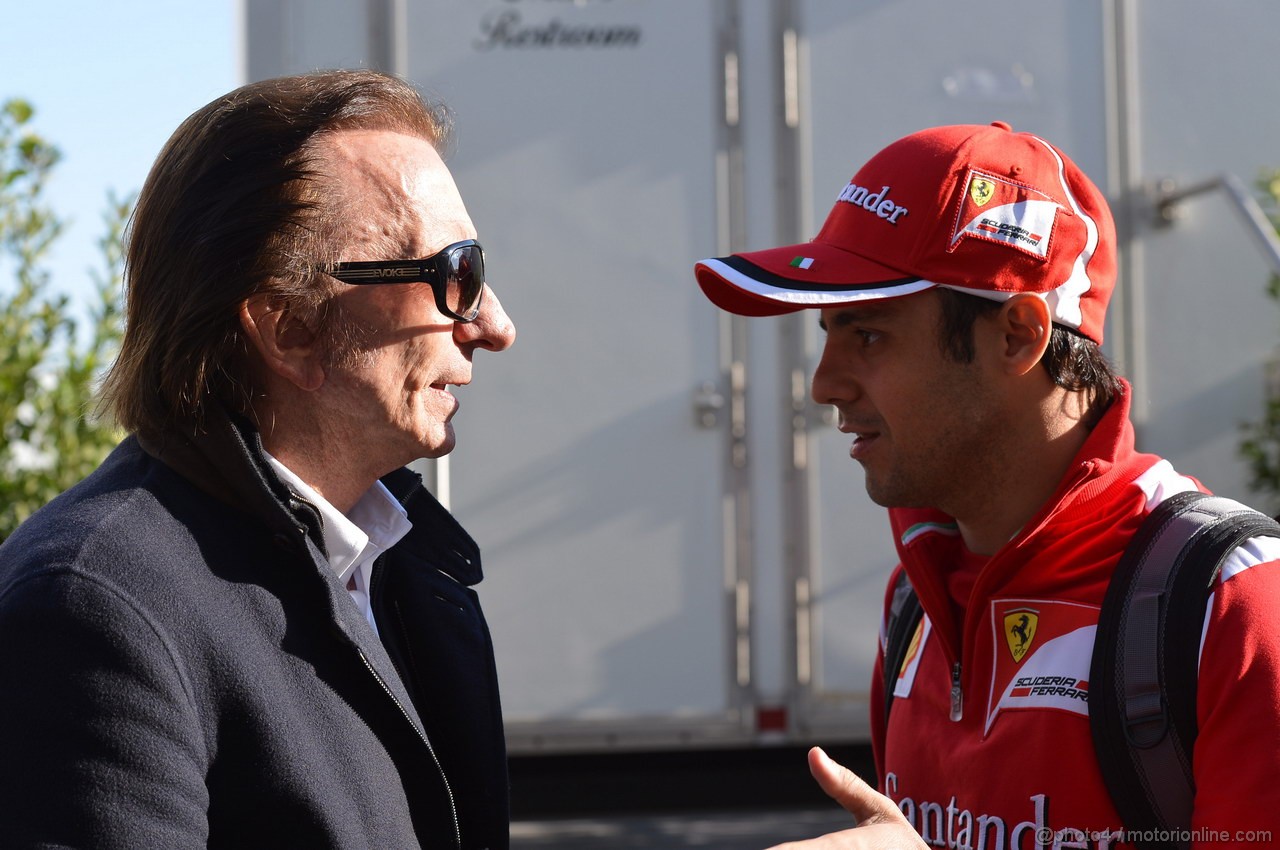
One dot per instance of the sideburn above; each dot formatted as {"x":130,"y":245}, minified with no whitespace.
{"x":346,"y":341}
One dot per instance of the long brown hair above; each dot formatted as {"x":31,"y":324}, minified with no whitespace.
{"x":231,"y":208}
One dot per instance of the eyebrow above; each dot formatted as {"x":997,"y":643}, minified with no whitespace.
{"x":857,"y":313}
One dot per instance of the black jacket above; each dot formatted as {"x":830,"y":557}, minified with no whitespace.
{"x":179,"y":667}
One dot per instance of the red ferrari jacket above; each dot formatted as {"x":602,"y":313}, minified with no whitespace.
{"x":988,"y":743}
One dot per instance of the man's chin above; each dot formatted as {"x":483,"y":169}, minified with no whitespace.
{"x":886,"y":498}
{"x":880,"y":499}
{"x":887,"y":495}
{"x":438,"y":448}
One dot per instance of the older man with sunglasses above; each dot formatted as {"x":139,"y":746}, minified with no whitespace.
{"x":253,"y":626}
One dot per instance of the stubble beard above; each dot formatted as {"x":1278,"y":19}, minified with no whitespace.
{"x":962,"y":461}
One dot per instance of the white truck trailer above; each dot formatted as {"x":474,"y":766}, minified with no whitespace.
{"x":678,"y":550}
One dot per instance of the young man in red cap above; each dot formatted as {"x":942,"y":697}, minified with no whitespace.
{"x":963,"y":277}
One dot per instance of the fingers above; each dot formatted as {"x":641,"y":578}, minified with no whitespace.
{"x":845,"y":787}
{"x":880,"y":824}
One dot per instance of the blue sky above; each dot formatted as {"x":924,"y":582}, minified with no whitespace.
{"x":110,"y":81}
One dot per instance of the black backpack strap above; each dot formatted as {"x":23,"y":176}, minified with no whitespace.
{"x":1142,"y":698}
{"x":904,"y":616}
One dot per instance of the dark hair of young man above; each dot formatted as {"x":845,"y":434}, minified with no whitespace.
{"x":1073,"y":361}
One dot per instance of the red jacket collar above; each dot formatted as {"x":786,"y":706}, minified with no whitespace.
{"x":928,"y":541}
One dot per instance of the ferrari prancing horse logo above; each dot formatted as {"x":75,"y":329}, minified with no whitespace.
{"x":981,"y":190}
{"x":1020,"y":630}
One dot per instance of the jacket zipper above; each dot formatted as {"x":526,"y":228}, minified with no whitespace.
{"x":957,"y":695}
{"x":453,"y":806}
{"x":375,"y":593}
{"x":957,"y":692}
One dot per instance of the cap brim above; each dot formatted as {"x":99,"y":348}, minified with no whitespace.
{"x":798,"y":277}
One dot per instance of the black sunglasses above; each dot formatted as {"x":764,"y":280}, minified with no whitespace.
{"x":455,"y":272}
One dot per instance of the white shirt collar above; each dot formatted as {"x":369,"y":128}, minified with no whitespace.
{"x":374,"y":524}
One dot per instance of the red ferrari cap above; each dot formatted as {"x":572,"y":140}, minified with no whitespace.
{"x":978,"y":209}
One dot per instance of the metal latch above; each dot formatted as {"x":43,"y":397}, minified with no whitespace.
{"x":708,"y":404}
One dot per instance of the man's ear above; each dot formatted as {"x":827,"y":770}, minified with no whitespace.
{"x":288,"y":346}
{"x":1025,"y":326}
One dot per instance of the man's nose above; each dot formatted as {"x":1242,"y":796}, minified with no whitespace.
{"x":831,"y":383}
{"x":492,"y":329}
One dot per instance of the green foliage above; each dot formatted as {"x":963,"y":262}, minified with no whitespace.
{"x":49,"y":436}
{"x":1260,"y":446}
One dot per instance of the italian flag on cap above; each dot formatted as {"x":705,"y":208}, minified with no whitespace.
{"x":802,"y":262}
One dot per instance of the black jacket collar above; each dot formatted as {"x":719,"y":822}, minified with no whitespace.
{"x":226,"y":460}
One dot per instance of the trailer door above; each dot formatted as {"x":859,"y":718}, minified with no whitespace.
{"x":592,"y":459}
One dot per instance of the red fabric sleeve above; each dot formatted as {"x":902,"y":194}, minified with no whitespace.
{"x":1237,"y":753}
